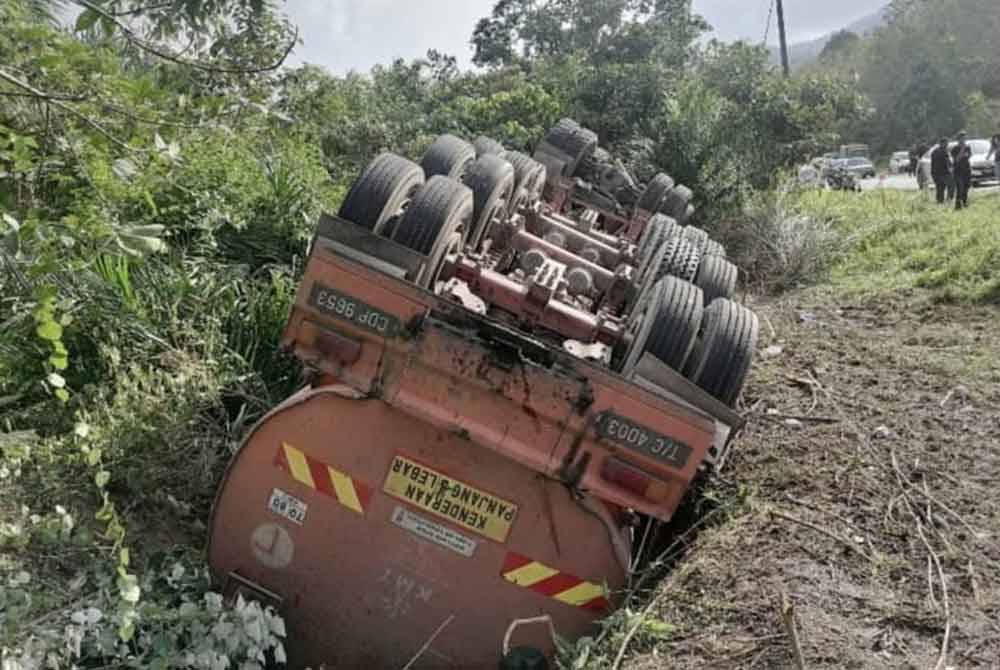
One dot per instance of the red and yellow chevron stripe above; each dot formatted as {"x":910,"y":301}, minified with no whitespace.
{"x":550,"y":582}
{"x":305,"y":469}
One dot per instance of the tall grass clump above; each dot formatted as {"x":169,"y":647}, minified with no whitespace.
{"x":779,"y":244}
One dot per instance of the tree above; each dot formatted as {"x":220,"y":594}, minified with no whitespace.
{"x":840,"y":44}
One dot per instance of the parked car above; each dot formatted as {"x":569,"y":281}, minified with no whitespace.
{"x":827,"y":165}
{"x":899,"y":163}
{"x":854,"y":151}
{"x":861,"y":168}
{"x":982,"y":168}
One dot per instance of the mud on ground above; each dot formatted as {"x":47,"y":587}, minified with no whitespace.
{"x":868,"y":495}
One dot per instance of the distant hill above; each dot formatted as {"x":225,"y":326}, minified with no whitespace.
{"x":803,"y":53}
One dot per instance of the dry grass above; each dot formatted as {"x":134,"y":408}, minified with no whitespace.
{"x":877,"y":515}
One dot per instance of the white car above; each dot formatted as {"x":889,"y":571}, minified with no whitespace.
{"x":982,"y":168}
{"x":899,"y":162}
{"x":861,"y":168}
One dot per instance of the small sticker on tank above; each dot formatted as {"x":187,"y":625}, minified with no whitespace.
{"x":288,"y":506}
{"x":434,"y":532}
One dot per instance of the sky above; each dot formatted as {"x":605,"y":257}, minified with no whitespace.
{"x":356,"y":34}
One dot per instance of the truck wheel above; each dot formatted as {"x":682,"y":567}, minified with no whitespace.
{"x":727,"y":345}
{"x":716,"y":277}
{"x":382,"y":192}
{"x":438,"y":219}
{"x":575,"y":141}
{"x":676,"y":201}
{"x":486,"y":145}
{"x":449,"y":156}
{"x":714,"y":248}
{"x":648,"y":277}
{"x":658,"y":230}
{"x":529,"y":175}
{"x":655,"y":191}
{"x":668,"y":325}
{"x":696,"y":236}
{"x":683,"y":262}
{"x":491,"y":179}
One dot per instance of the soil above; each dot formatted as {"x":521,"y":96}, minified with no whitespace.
{"x":861,"y":500}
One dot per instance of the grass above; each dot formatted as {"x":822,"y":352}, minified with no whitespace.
{"x":897,"y":241}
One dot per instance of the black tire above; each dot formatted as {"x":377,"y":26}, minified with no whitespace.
{"x":487,"y":145}
{"x":676,"y":201}
{"x":727,"y":346}
{"x":716,"y":277}
{"x":667,"y":325}
{"x":656,"y":190}
{"x":449,"y":156}
{"x":714,"y":248}
{"x":529,"y":174}
{"x":438,"y":218}
{"x":573,"y":140}
{"x":683,"y":262}
{"x":658,"y":230}
{"x":648,"y":277}
{"x":381,"y":192}
{"x":695,"y":236}
{"x":491,"y":179}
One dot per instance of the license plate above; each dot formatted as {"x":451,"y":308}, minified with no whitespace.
{"x":286,"y":505}
{"x":340,"y":305}
{"x":631,"y":435}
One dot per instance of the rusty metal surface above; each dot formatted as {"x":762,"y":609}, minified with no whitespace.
{"x":432,"y":479}
{"x":468,"y":374}
{"x":368,"y":588}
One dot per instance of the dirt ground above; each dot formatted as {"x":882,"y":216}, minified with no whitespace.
{"x":863,"y":492}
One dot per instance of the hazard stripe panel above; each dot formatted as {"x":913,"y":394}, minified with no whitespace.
{"x":349,"y":492}
{"x":548,"y":581}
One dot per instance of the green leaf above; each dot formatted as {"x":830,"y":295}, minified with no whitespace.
{"x":147,"y":231}
{"x":128,"y":587}
{"x":62,"y":394}
{"x":141,"y":244}
{"x":59,"y":362}
{"x":49,"y":330}
{"x":102,"y":478}
{"x":126,"y":631}
{"x":86,"y":20}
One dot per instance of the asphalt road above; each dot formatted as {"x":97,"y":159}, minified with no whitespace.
{"x":902,"y":182}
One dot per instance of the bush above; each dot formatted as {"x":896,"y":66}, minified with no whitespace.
{"x":779,"y":244}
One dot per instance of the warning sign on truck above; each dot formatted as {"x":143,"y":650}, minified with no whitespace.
{"x":448,"y":498}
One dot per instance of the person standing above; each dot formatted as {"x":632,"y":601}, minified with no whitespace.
{"x":941,"y":169}
{"x":961,"y":158}
{"x":995,"y":155}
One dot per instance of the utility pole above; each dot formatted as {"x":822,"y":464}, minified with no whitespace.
{"x":784,"y":41}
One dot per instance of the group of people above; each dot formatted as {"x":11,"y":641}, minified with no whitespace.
{"x":951,"y":169}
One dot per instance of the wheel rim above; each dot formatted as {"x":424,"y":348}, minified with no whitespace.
{"x":496,"y":213}
{"x":391,"y":221}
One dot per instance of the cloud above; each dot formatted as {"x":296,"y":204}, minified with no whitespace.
{"x":357,"y":34}
{"x":804,"y":19}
